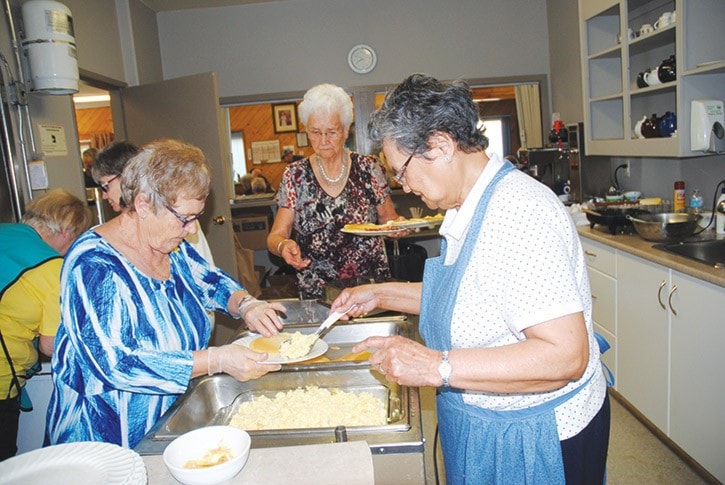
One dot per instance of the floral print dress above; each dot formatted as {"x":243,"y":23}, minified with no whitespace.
{"x":319,"y":219}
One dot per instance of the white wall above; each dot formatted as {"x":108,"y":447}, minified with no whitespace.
{"x":289,"y":46}
{"x":565,"y":64}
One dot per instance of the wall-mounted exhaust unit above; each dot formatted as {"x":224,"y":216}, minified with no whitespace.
{"x":49,"y":46}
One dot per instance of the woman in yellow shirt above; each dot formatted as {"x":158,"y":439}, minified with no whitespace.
{"x":30,"y":262}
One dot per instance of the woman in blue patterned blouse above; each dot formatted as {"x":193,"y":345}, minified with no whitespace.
{"x":133,"y":327}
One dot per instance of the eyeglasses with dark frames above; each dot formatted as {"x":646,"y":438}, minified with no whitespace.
{"x":104,"y":186}
{"x":400,"y":178}
{"x":184,"y":220}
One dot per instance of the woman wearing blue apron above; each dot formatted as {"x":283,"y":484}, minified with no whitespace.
{"x":505,"y":310}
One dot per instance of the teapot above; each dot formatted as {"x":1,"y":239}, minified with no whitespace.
{"x":651,"y":77}
{"x":667,"y":71}
{"x":638,"y":127}
{"x":641,"y":83}
{"x":650,"y":128}
{"x":667,"y":125}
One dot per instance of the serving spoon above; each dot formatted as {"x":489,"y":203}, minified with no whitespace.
{"x":326,"y":324}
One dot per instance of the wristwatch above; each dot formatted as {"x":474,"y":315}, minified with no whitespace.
{"x":444,"y":368}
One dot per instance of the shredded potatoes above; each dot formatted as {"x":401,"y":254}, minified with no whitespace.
{"x":298,"y":345}
{"x":213,"y":457}
{"x":311,"y":407}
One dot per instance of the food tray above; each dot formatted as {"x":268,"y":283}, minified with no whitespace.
{"x":213,"y":400}
{"x":388,"y":393}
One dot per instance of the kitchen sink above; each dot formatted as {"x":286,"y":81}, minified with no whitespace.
{"x":710,"y":252}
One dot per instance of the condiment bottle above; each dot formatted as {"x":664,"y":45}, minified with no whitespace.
{"x":679,"y":196}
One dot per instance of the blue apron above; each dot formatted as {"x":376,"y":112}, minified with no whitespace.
{"x":481,"y":445}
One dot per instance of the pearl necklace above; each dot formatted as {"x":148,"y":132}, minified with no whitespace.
{"x":327,"y":178}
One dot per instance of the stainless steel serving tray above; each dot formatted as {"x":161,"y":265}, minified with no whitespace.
{"x":213,"y":400}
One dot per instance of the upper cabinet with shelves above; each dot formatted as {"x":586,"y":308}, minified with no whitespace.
{"x":612,"y":60}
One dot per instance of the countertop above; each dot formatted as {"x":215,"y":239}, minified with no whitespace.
{"x":637,"y":246}
{"x":333,"y":463}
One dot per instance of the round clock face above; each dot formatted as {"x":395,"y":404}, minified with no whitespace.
{"x":362,"y":59}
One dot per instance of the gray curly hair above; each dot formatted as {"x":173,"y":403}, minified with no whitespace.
{"x":164,"y":171}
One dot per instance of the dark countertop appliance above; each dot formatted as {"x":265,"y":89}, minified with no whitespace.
{"x":569,"y":170}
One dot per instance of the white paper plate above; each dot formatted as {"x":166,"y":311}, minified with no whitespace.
{"x":318,"y":349}
{"x":89,"y":463}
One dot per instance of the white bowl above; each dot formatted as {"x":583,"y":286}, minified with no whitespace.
{"x":614,"y":198}
{"x":195,"y":444}
{"x":631,"y":196}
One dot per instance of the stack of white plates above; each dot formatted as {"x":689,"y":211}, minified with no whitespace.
{"x":89,"y":463}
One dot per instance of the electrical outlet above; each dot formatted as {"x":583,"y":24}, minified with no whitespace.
{"x":626,"y":168}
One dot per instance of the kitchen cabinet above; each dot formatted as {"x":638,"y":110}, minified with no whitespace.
{"x":697,"y":363}
{"x":611,"y":62}
{"x":670,"y":337}
{"x":643,"y":336}
{"x":601,"y":267}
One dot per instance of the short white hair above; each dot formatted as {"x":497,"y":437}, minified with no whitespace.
{"x":327,"y":99}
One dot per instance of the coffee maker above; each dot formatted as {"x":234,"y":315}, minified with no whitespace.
{"x":550,"y":166}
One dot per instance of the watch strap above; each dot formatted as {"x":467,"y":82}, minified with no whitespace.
{"x":444,"y":368}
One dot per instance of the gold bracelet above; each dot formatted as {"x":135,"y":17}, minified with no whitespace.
{"x":279,"y":246}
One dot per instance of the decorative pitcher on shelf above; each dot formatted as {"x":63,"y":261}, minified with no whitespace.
{"x":667,"y":124}
{"x":667,"y":71}
{"x":638,"y":127}
{"x":649,"y":127}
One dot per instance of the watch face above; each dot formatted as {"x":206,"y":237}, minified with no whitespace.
{"x":362,"y":59}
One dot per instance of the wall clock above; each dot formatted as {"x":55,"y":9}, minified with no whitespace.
{"x":362,"y":59}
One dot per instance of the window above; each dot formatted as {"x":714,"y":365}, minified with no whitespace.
{"x":239,"y":157}
{"x":497,"y":131}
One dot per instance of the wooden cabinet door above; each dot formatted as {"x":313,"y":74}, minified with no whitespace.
{"x":643,"y":336}
{"x":697,"y":419}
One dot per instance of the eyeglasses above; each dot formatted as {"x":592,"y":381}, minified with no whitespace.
{"x":400,"y":178}
{"x":104,"y":186}
{"x":331,"y":134}
{"x":184,"y":220}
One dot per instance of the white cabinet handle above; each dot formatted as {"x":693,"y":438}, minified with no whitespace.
{"x":659,"y":294}
{"x":593,"y":255}
{"x":669,"y":299}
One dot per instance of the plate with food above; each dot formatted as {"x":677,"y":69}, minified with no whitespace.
{"x":414,"y":223}
{"x":285,"y":347}
{"x":370,"y":229}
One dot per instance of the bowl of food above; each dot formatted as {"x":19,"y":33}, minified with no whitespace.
{"x":666,"y":226}
{"x":209,"y":455}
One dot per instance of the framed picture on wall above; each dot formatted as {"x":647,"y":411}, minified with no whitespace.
{"x":302,"y":140}
{"x":285,"y":117}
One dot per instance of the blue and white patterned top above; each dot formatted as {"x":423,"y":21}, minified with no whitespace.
{"x":123,"y":351}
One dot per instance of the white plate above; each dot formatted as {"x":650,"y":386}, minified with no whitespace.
{"x":84,"y":462}
{"x":318,"y":349}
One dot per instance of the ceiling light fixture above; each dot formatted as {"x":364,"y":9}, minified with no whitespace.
{"x":92,"y":99}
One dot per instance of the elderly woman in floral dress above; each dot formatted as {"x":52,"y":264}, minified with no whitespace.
{"x":320,"y":194}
